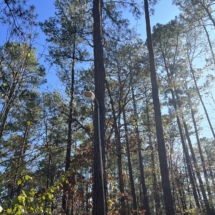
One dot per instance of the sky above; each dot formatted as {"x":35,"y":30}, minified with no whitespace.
{"x":164,"y":12}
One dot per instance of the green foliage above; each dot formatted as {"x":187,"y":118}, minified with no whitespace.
{"x":18,"y":16}
{"x":33,"y":201}
{"x":191,"y":211}
{"x":35,"y":123}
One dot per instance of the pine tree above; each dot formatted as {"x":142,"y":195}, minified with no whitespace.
{"x":159,"y":129}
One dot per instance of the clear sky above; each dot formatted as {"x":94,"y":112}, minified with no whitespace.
{"x":164,"y":12}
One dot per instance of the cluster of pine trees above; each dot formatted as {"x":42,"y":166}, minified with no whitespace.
{"x":146,"y":145}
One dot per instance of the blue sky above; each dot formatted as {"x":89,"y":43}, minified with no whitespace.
{"x":164,"y":12}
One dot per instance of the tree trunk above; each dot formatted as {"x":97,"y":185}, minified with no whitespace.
{"x":155,"y":187}
{"x":199,"y":145}
{"x":207,"y":206}
{"x":209,"y":41}
{"x":142,"y":176}
{"x":129,"y":164}
{"x":181,"y":193}
{"x":188,"y":162}
{"x":8,"y":105}
{"x":69,"y":134}
{"x":209,"y":211}
{"x":187,"y":158}
{"x":201,"y":155}
{"x":118,"y":151}
{"x":208,"y":12}
{"x":200,"y":97}
{"x":159,"y":128}
{"x":99,"y":194}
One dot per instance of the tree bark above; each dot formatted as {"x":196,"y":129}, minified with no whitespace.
{"x":208,"y":12}
{"x":129,"y":164}
{"x":141,"y":167}
{"x":199,"y":145}
{"x":159,"y":128}
{"x":201,"y":155}
{"x":187,"y":158}
{"x":155,"y":193}
{"x":181,"y":193}
{"x":118,"y":151}
{"x":200,"y":97}
{"x":99,"y":196}
{"x":207,"y":206}
{"x":209,"y":41}
{"x":69,"y":133}
{"x":9,"y":103}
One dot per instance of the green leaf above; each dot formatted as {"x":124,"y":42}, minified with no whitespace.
{"x":23,"y":192}
{"x":21,"y":198}
{"x":52,"y":190}
{"x":19,"y":182}
{"x":9,"y":210}
{"x":50,"y":196}
{"x":31,"y":209}
{"x":18,"y":212}
{"x":27,"y":177}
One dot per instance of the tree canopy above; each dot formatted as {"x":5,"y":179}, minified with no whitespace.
{"x":146,"y":143}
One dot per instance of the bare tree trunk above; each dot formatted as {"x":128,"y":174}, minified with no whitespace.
{"x":209,"y":41}
{"x":207,"y":206}
{"x":188,"y":162}
{"x":209,"y":210}
{"x":159,"y":128}
{"x":200,"y":97}
{"x":70,"y":119}
{"x":207,"y":11}
{"x":118,"y":151}
{"x":187,"y":158}
{"x":210,"y":165}
{"x":199,"y":146}
{"x":181,"y":194}
{"x":155,"y":187}
{"x":8,"y":105}
{"x":129,"y":164}
{"x":201,"y":155}
{"x":142,"y":176}
{"x":99,"y":186}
